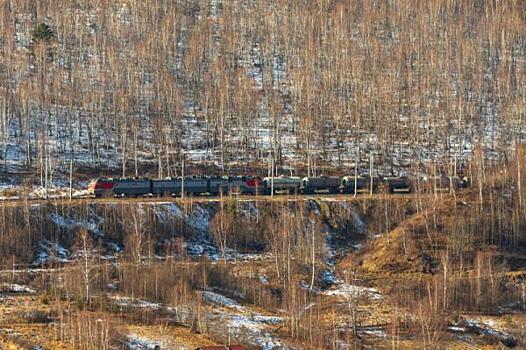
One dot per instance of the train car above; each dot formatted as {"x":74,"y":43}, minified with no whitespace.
{"x":398,"y":184}
{"x":101,"y":187}
{"x":218,"y":184}
{"x":321,"y":184}
{"x":109,"y":187}
{"x":282,"y":184}
{"x":443,"y":184}
{"x":465,"y":182}
{"x":194,"y":185}
{"x":234,"y":184}
{"x":363,"y":184}
{"x":376,"y":182}
{"x":133,"y":187}
{"x":352,"y":184}
{"x":167,"y":187}
{"x":245,"y":184}
{"x":252,"y":185}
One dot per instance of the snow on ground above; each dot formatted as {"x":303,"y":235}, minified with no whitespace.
{"x":91,"y":223}
{"x":15,"y":288}
{"x":485,"y":326}
{"x":263,"y":279}
{"x":201,"y":243}
{"x":138,"y":303}
{"x":359,"y":228}
{"x":353,"y":291}
{"x":3,"y":198}
{"x":166,"y":211}
{"x":37,"y":192}
{"x":55,"y":192}
{"x":253,"y":331}
{"x":48,"y":251}
{"x":378,"y":332}
{"x":227,"y":316}
{"x":249,"y":210}
{"x":6,"y":184}
{"x":220,"y":300}
{"x":244,"y":323}
{"x":135,"y":342}
{"x":199,"y":219}
{"x":202,"y":246}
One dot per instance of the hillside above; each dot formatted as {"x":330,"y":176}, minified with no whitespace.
{"x":303,"y":273}
{"x":133,"y":87}
{"x":419,"y":92}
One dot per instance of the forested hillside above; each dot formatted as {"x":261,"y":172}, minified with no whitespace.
{"x":418,"y":109}
{"x":135,"y":85}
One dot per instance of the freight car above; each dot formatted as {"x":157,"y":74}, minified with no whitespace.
{"x":234,"y":184}
{"x":322,"y":184}
{"x":282,"y":184}
{"x":359,"y":184}
{"x":218,"y":184}
{"x":398,"y":184}
{"x":132,"y":187}
{"x":353,"y":184}
{"x":245,"y":184}
{"x":442,"y":184}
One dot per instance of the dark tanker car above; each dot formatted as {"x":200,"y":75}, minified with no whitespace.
{"x":321,"y":184}
{"x":398,"y":184}
{"x":360,"y":184}
{"x":282,"y":184}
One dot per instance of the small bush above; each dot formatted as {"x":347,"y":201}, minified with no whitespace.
{"x":43,"y":32}
{"x":36,"y":316}
{"x":9,"y":192}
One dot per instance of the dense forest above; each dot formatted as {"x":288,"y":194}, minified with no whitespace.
{"x":300,"y":84}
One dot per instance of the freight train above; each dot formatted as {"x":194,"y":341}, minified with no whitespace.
{"x":251,"y":185}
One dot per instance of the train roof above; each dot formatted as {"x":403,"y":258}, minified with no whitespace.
{"x":321,"y":177}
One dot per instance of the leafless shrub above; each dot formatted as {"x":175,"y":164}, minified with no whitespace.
{"x":90,"y":331}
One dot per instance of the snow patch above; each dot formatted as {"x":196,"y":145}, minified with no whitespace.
{"x":15,"y":288}
{"x":243,"y":323}
{"x":70,"y":223}
{"x":231,"y":317}
{"x":220,"y":300}
{"x":263,"y":279}
{"x":136,"y":303}
{"x":353,"y":291}
{"x":167,"y":212}
{"x":199,"y":219}
{"x":135,"y":342}
{"x":48,"y":251}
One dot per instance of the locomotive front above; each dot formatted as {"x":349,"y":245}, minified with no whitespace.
{"x":101,"y":187}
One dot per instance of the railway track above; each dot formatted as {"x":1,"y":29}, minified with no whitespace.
{"x":16,"y":202}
